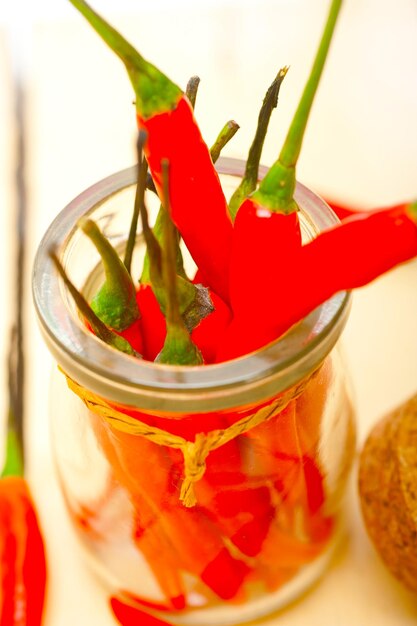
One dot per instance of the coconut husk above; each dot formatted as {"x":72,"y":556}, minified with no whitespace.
{"x":388,"y":491}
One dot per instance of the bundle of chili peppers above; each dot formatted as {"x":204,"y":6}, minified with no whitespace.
{"x":259,"y":487}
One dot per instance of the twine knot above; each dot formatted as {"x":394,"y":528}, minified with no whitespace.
{"x":195,"y":454}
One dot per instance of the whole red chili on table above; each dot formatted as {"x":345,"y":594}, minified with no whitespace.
{"x":22,"y":554}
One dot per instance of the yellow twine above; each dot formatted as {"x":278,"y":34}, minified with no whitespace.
{"x":194,"y":452}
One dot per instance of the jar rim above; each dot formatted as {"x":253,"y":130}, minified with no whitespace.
{"x":117,"y":377}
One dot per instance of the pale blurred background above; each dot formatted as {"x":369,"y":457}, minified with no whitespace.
{"x":360,"y":149}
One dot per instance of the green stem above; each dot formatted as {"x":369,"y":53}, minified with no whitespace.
{"x":412,"y":211}
{"x":152,"y":270}
{"x":140,"y":191}
{"x":276,"y":191}
{"x":99,"y":328}
{"x":155,"y":92}
{"x":115,"y":302}
{"x":13,"y":465}
{"x":228,"y":131}
{"x":178,"y":348}
{"x":250,"y":177}
{"x":14,"y":458}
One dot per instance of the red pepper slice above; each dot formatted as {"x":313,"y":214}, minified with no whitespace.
{"x":129,"y":615}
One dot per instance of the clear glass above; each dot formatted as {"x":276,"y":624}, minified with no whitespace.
{"x":267,"y":511}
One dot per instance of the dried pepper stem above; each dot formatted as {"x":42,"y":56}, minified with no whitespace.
{"x":178,"y":347}
{"x":250,"y":177}
{"x":140,"y":190}
{"x":192,"y":89}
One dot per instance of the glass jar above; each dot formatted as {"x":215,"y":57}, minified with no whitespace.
{"x":209,"y":493}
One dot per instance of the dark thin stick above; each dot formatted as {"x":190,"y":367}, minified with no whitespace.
{"x":16,"y":361}
{"x":270,"y":103}
{"x":140,"y":190}
{"x":173,"y":315}
{"x":250,"y":178}
{"x":150,"y":184}
{"x":192,"y":89}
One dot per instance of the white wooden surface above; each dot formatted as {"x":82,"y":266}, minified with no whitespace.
{"x":361,"y":147}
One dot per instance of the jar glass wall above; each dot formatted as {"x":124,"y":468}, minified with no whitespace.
{"x":263,"y":443}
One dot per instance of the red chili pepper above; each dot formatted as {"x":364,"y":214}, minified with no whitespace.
{"x":267,"y":232}
{"x":345,"y":257}
{"x":152,"y":322}
{"x":197,"y":199}
{"x":342,"y":211}
{"x":23,"y":566}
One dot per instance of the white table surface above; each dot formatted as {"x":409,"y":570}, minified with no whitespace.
{"x":361,"y":146}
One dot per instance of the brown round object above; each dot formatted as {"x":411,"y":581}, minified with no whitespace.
{"x":388,"y":491}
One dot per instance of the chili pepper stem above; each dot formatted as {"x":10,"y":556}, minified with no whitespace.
{"x":99,"y":328}
{"x":179,"y":348}
{"x":13,"y":465}
{"x":276,"y":191}
{"x":192,"y":89}
{"x":140,"y":190}
{"x":228,"y":131}
{"x":250,"y":177}
{"x":115,"y":302}
{"x":154,"y":91}
{"x":14,"y":456}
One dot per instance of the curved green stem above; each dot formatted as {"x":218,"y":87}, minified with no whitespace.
{"x":155,"y":92}
{"x":228,"y":131}
{"x":276,"y":191}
